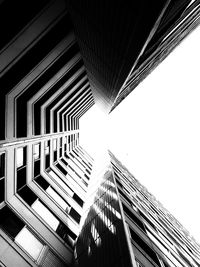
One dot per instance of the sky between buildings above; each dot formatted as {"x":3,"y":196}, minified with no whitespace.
{"x":155,"y":132}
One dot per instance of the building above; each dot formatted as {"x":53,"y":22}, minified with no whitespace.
{"x":44,"y":170}
{"x":127,"y":226}
{"x":122,"y":42}
{"x":58,"y":58}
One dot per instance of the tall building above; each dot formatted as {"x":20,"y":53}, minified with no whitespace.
{"x":57,"y":59}
{"x":121,"y":42}
{"x":127,"y":226}
{"x":44,"y":171}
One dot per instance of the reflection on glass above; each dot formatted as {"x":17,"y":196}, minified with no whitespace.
{"x":29,"y":243}
{"x":54,"y":144}
{"x":58,"y":199}
{"x":105,"y":219}
{"x":46,"y":215}
{"x":47,"y":145}
{"x":36,"y":151}
{"x":95,"y":235}
{"x":114,"y":211}
{"x":20,"y":157}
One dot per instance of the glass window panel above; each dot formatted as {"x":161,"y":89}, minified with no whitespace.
{"x":21,"y":177}
{"x":46,"y":215}
{"x":29,"y":243}
{"x":47,"y":145}
{"x":2,"y":190}
{"x":61,"y":183}
{"x":10,"y":222}
{"x":54,"y":144}
{"x":2,"y":165}
{"x":57,"y":198}
{"x":20,"y":157}
{"x":36,"y":151}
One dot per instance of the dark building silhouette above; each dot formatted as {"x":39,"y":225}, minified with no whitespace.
{"x":121,"y":42}
{"x":57,"y":59}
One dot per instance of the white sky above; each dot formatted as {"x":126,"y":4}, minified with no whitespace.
{"x":155,"y":132}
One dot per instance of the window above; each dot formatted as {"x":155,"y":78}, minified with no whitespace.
{"x":47,"y":156}
{"x":60,"y":228}
{"x":133,"y":217}
{"x":159,"y":243}
{"x":45,"y":214}
{"x":18,"y":232}
{"x":46,"y":147}
{"x":27,"y":195}
{"x":10,"y":222}
{"x":64,"y":186}
{"x":61,"y":146}
{"x":147,"y":220}
{"x":21,"y":167}
{"x":61,"y":202}
{"x":54,"y":144}
{"x":78,"y":199}
{"x":29,"y":243}
{"x":58,"y":199}
{"x":125,"y":196}
{"x":138,"y":263}
{"x":165,"y":264}
{"x":61,"y":169}
{"x":36,"y":156}
{"x":36,"y":151}
{"x":143,"y":245}
{"x":54,"y":149}
{"x":21,"y":157}
{"x":75,"y":215}
{"x":2,"y":177}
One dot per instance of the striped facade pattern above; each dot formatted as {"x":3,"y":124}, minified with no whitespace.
{"x":156,"y":237}
{"x":185,"y":17}
{"x":127,"y":226}
{"x":58,"y":58}
{"x":102,"y":240}
{"x":44,"y":170}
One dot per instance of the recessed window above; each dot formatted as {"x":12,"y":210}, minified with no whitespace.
{"x":47,"y":156}
{"x":75,"y":215}
{"x":10,"y":222}
{"x":2,"y":177}
{"x":133,"y":217}
{"x":21,"y":167}
{"x":58,"y":199}
{"x":138,"y":263}
{"x":60,"y":228}
{"x":61,"y":183}
{"x":54,"y":144}
{"x":2,"y":165}
{"x":63,"y":171}
{"x":36,"y":168}
{"x":21,"y":157}
{"x":29,"y":243}
{"x":36,"y":156}
{"x":36,"y":151}
{"x":46,"y":147}
{"x":143,"y":245}
{"x":45,"y":214}
{"x":78,"y":199}
{"x":27,"y":195}
{"x":15,"y":228}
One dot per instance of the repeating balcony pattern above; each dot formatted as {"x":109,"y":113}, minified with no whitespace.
{"x":44,"y":170}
